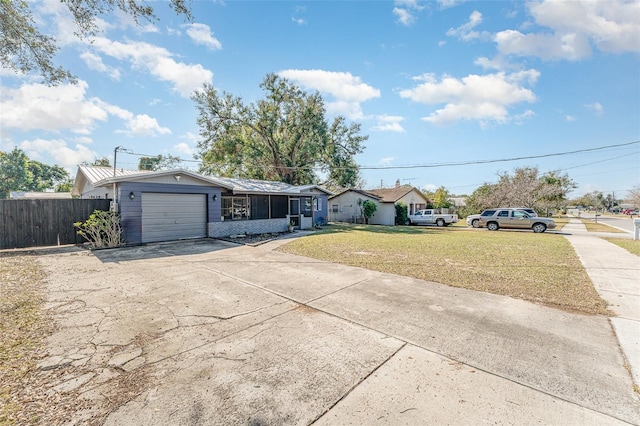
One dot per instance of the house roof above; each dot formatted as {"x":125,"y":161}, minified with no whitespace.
{"x":103,"y":176}
{"x":358,"y":191}
{"x":392,"y":195}
{"x":144,"y":174}
{"x":266,"y":186}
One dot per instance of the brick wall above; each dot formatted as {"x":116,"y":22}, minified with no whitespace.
{"x":249,"y":227}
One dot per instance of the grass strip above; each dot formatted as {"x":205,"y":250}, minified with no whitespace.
{"x":632,"y":246}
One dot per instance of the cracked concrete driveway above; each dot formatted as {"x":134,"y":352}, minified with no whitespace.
{"x":207,"y":333}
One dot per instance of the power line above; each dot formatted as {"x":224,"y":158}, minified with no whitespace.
{"x":450,"y":164}
{"x":466,"y":163}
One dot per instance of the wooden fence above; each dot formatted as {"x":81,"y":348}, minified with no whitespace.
{"x":44,"y":222}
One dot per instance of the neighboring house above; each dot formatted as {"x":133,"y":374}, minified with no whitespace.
{"x":346,"y":206}
{"x":411,"y":196}
{"x":40,"y":195}
{"x":177,"y":204}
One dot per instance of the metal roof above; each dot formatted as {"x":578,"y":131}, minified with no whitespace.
{"x":96,"y":173}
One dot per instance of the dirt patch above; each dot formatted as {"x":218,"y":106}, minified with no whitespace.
{"x":24,"y":327}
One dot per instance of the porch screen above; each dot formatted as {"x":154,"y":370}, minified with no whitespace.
{"x":259,"y":207}
{"x":279,"y":206}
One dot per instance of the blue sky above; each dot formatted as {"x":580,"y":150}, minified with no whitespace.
{"x":432,"y":83}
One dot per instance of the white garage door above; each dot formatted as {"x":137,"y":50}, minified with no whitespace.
{"x":168,"y":217}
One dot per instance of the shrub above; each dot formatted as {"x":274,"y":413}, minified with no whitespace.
{"x":402,"y":213}
{"x":102,"y":229}
{"x":368,"y":209}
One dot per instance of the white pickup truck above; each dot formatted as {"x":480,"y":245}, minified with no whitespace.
{"x":431,"y":217}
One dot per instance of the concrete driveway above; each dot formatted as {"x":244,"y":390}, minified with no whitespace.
{"x":212,"y":333}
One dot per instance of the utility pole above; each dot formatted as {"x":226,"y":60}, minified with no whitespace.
{"x":114,"y":204}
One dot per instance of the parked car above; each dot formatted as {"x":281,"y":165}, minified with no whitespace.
{"x":474,"y":219}
{"x":431,"y":217}
{"x":494,"y":219}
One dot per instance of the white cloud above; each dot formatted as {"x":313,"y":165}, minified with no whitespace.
{"x":159,"y":63}
{"x":299,"y":21}
{"x":545,"y":46}
{"x":183,"y":148}
{"x":575,"y":27}
{"x":201,"y":34}
{"x":404,"y":11}
{"x":570,"y":118}
{"x":349,"y":91}
{"x":143,"y":125}
{"x":36,"y":106}
{"x":386,"y":161}
{"x":445,"y":4}
{"x":40,"y":107}
{"x":464,"y":32}
{"x":63,"y":155}
{"x":482,"y":98}
{"x":596,"y":107}
{"x":389,"y":123}
{"x":95,"y":63}
{"x":404,"y":17}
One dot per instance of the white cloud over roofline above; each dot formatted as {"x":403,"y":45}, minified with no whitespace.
{"x":483,"y":98}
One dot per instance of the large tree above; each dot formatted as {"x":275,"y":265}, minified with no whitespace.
{"x":633,"y":196}
{"x":159,"y":162}
{"x":25,"y":49}
{"x":19,"y":173}
{"x":525,"y":187}
{"x":284,"y":137}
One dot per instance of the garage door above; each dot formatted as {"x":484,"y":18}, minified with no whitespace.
{"x":168,"y":217}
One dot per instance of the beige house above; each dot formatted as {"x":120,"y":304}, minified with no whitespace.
{"x":346,"y":206}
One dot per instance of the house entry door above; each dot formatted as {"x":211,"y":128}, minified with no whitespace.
{"x":294,"y":211}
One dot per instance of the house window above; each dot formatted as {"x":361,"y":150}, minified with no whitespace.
{"x":334,"y":208}
{"x":305,"y":206}
{"x":317,"y":204}
{"x":235,"y":208}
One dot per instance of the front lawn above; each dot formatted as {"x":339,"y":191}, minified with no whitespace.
{"x":541,"y":268}
{"x":632,"y":246}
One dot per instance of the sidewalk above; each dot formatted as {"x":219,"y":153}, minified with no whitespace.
{"x":615,"y":273}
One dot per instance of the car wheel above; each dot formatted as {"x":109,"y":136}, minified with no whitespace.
{"x":475,"y":223}
{"x":492,"y":226}
{"x":440,"y":222}
{"x":539,"y":227}
{"x":409,"y":222}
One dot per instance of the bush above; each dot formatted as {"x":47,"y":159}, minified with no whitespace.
{"x":402,"y":213}
{"x":102,"y":229}
{"x":368,"y":209}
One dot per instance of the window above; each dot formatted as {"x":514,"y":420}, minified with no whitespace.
{"x":235,"y":208}
{"x":488,"y":213}
{"x":334,"y":208}
{"x":317,"y":204}
{"x":519,"y":214}
{"x":305,"y":206}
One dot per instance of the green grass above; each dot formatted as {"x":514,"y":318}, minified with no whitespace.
{"x":541,"y":268}
{"x":632,"y":246}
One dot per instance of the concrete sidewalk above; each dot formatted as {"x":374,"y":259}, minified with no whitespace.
{"x":615,"y":273}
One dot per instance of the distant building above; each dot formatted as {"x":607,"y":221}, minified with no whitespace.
{"x":17,"y":195}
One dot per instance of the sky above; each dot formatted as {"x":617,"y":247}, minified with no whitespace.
{"x":450,"y":93}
